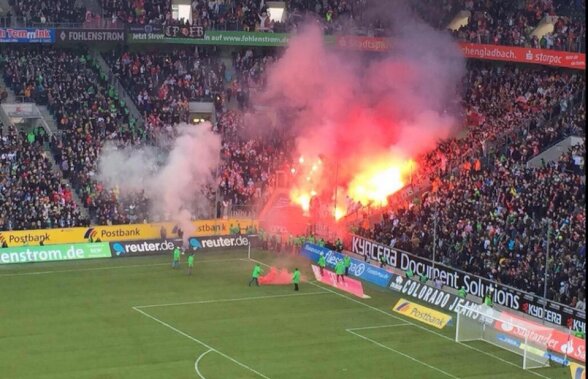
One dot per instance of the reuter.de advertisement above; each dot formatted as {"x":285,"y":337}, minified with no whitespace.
{"x":508,"y":297}
{"x":219,"y":242}
{"x":143,"y":248}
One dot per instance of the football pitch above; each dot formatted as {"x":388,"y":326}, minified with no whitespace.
{"x":138,"y":318}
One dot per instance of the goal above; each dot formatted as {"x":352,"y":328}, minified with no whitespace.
{"x":480,"y":322}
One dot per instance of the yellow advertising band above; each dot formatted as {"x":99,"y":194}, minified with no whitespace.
{"x":577,"y":371}
{"x":107,"y":233}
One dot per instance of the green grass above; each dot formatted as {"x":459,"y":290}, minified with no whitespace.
{"x":76,"y":320}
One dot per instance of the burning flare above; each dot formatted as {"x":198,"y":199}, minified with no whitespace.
{"x":375,"y":181}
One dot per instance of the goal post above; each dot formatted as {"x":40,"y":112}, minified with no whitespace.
{"x":483,"y":323}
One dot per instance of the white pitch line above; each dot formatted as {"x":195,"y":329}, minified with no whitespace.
{"x":229,"y":300}
{"x":378,"y":327}
{"x":403,"y":354}
{"x":200,"y":342}
{"x":107,"y":268}
{"x":198,"y":362}
{"x":421,"y":327}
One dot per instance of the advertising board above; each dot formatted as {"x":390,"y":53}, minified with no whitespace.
{"x":51,"y":253}
{"x":89,"y":35}
{"x":27,"y":35}
{"x":555,"y":340}
{"x":358,"y":269}
{"x":143,"y":248}
{"x":219,"y":242}
{"x":436,"y":297}
{"x":115,"y":233}
{"x":505,"y":296}
{"x":421,"y":313}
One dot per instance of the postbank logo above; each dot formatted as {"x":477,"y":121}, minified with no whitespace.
{"x":423,"y":314}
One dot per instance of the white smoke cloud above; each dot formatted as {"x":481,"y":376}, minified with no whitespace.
{"x":174,"y":187}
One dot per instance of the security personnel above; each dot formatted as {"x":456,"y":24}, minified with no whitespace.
{"x":347,"y":263}
{"x":296,"y":279}
{"x":461,"y":292}
{"x":322,"y":262}
{"x":488,"y":299}
{"x":409,"y":273}
{"x":382,"y":261}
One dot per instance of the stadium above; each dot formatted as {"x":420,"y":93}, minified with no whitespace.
{"x":233,"y":189}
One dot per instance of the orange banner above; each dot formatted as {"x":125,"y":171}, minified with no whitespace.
{"x":478,"y":51}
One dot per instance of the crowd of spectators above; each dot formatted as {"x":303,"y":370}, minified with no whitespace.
{"x":500,"y":22}
{"x":246,"y":15}
{"x":250,"y":69}
{"x":486,"y":207}
{"x":493,"y":222}
{"x":48,"y":11}
{"x":506,"y":106}
{"x":163,"y":83}
{"x":512,"y":23}
{"x":32,"y":195}
{"x":137,"y":12}
{"x":491,"y":209}
{"x":88,"y":113}
{"x":249,"y":164}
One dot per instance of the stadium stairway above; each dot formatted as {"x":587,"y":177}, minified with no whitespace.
{"x":122,"y":93}
{"x":229,"y":77}
{"x":553,"y":153}
{"x":48,"y":118}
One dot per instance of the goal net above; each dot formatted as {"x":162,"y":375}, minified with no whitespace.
{"x":484,"y":323}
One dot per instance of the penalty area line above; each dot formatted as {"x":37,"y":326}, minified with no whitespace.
{"x":210,"y":348}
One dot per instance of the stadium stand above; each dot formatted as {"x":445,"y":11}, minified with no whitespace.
{"x":164,"y":83}
{"x":512,"y":113}
{"x":45,"y":12}
{"x":88,"y":113}
{"x":506,"y":243}
{"x":31,"y":193}
{"x":505,"y":23}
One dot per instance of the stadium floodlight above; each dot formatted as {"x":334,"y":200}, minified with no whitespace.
{"x":483,"y":323}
